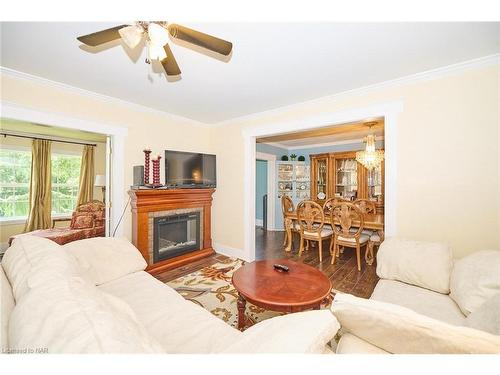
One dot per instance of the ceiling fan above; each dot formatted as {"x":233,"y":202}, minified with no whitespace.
{"x":157,"y":34}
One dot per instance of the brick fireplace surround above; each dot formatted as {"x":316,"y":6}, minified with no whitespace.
{"x":150,"y":203}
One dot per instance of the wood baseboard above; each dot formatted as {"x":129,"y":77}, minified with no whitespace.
{"x":179,"y":261}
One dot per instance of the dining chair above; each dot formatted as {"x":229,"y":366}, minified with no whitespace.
{"x":375,"y":240}
{"x":311,"y":220}
{"x":288,"y":207}
{"x":366,"y":206}
{"x":345,"y":234}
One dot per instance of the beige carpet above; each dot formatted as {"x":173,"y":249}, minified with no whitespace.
{"x":211,"y":288}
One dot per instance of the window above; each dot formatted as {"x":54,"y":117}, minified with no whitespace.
{"x":15,"y":173}
{"x":65,"y":180}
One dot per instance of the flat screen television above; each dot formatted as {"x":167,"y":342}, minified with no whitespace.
{"x":189,"y":169}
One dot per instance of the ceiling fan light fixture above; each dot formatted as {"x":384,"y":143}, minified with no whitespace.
{"x":157,"y":34}
{"x":131,"y":35}
{"x":156,"y":51}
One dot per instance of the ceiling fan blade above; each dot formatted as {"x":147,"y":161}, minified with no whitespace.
{"x":101,"y":37}
{"x":169,"y":63}
{"x":200,"y":39}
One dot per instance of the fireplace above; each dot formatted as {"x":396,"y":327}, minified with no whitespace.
{"x":175,"y":235}
{"x":171,"y":227}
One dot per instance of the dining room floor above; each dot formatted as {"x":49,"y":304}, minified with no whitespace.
{"x":344,"y":274}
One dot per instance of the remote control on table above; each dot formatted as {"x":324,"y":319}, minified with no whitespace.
{"x":281,"y":267}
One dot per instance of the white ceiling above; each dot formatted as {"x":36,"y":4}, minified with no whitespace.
{"x":272,"y":65}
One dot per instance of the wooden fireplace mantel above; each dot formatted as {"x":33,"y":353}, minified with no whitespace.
{"x":146,"y":201}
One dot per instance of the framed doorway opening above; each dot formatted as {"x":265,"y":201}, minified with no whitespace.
{"x":115,"y":195}
{"x":389,"y":111}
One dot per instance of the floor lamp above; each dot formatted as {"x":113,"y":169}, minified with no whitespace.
{"x":100,"y":181}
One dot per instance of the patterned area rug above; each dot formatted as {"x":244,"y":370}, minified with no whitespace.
{"x":211,"y":288}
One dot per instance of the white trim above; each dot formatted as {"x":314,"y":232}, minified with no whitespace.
{"x":389,"y":111}
{"x":94,"y":95}
{"x":15,"y":220}
{"x":428,"y":75}
{"x":249,"y":198}
{"x":117,"y":133}
{"x":271,"y":187}
{"x":259,"y":222}
{"x":317,"y":145}
{"x":436,"y":73}
{"x":229,"y":251}
{"x":22,"y":219}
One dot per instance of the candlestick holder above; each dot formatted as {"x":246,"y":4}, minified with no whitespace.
{"x":156,"y":171}
{"x":147,"y":153}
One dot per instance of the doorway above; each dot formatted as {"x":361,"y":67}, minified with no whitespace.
{"x":115,"y":153}
{"x":387,"y":111}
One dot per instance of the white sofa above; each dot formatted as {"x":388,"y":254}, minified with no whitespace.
{"x":424,"y":302}
{"x":93,"y":296}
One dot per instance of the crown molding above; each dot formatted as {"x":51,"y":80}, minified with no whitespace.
{"x":428,"y":75}
{"x":94,"y":95}
{"x":440,"y":72}
{"x":317,"y":145}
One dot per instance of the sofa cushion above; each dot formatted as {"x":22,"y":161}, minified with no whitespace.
{"x":487,"y":316}
{"x":424,"y":264}
{"x":73,"y":316}
{"x":304,"y":332}
{"x":475,"y":279}
{"x":104,"y":259}
{"x":7,"y":304}
{"x":350,"y":344}
{"x":397,"y":329}
{"x":36,"y":258}
{"x":423,"y":301}
{"x":180,"y":326}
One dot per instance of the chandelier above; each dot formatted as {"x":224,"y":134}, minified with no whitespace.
{"x":370,"y":158}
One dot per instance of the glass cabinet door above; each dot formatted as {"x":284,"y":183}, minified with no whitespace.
{"x":321,"y":178}
{"x":285,"y":179}
{"x":346,"y":178}
{"x":302,"y":176}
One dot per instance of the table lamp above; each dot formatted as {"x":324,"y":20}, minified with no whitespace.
{"x":100,"y":181}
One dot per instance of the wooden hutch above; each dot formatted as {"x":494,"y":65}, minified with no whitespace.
{"x":338,"y":174}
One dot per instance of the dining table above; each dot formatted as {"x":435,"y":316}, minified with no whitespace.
{"x":372,"y":221}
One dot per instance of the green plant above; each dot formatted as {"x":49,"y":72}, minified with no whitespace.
{"x":293,"y":156}
{"x":284,"y":158}
{"x":302,"y":158}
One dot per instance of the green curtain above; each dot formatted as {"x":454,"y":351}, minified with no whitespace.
{"x":40,"y":197}
{"x":86,"y":186}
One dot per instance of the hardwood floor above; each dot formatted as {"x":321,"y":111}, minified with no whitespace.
{"x":344,"y":274}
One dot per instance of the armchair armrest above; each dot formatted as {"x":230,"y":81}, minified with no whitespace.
{"x":304,"y":332}
{"x":59,"y":219}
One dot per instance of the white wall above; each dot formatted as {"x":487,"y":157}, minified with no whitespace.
{"x":447,"y":156}
{"x":146,"y":128}
{"x":448,"y":150}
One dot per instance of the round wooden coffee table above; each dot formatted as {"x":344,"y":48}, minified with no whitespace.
{"x":302,"y":287}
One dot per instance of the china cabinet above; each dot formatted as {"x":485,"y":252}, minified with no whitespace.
{"x":340,"y":175}
{"x":293,"y":180}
